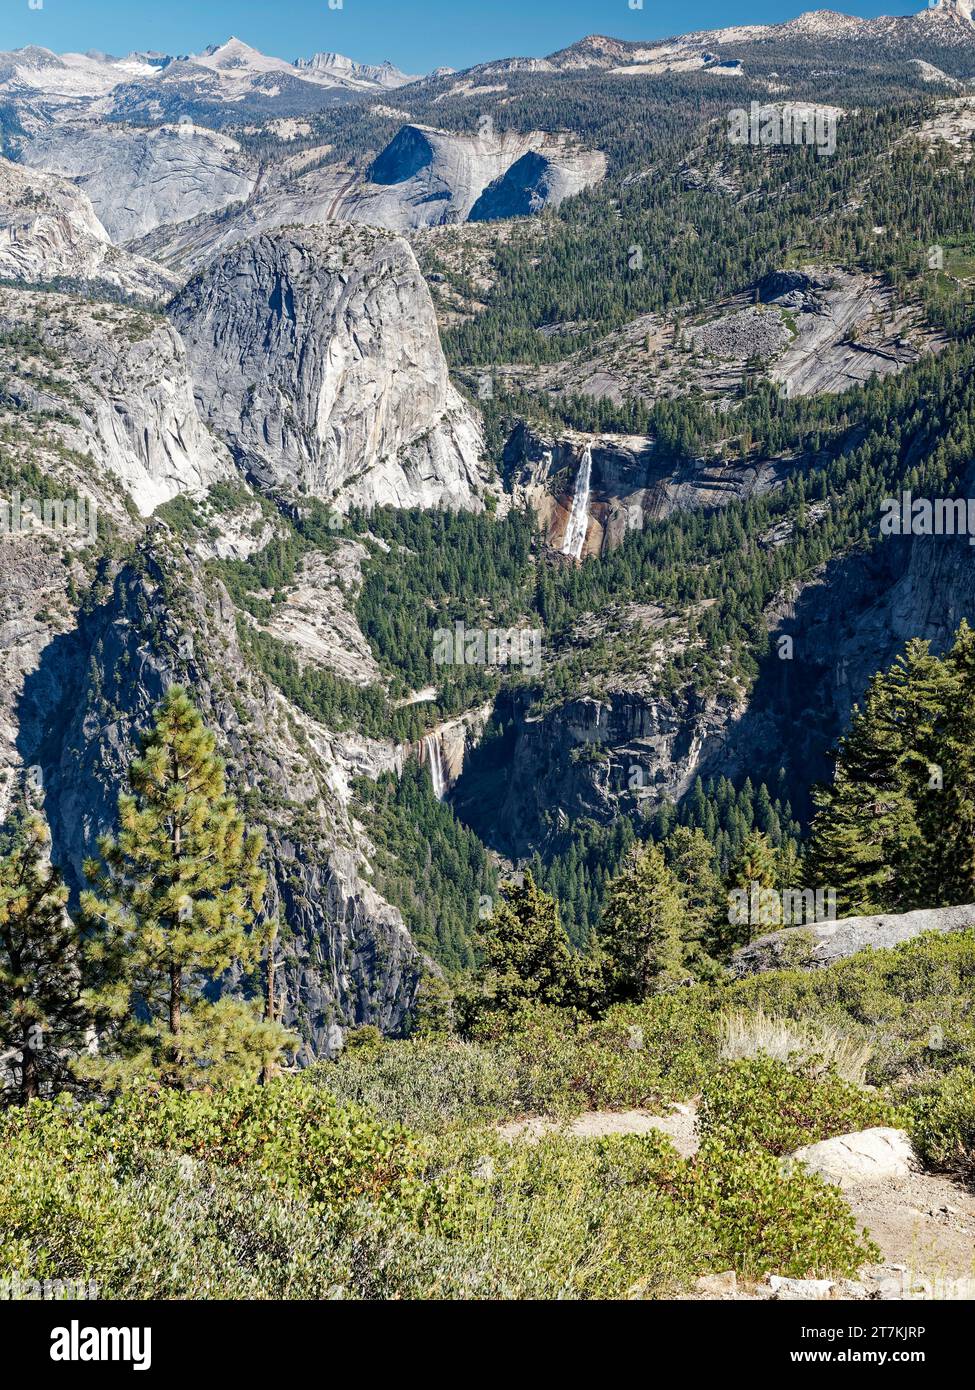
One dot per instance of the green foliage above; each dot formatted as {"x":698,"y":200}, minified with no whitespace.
{"x":942,"y":1121}
{"x":41,"y":1017}
{"x":440,"y":568}
{"x":754,"y":863}
{"x":428,"y":1084}
{"x":429,"y":865}
{"x":757,"y":1218}
{"x":761,"y":1101}
{"x":641,"y":931}
{"x":527,"y":956}
{"x":912,"y":1003}
{"x":366,"y":1038}
{"x":896,"y":829}
{"x":173,"y":898}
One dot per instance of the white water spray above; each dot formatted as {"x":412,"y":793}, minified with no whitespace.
{"x":575,"y":531}
{"x":434,"y":757}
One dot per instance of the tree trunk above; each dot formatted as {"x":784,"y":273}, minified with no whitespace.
{"x":267,"y":1071}
{"x":29,"y":1072}
{"x":175,"y":1019}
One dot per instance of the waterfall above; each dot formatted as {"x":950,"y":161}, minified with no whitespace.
{"x":434,"y":759}
{"x":578,"y":525}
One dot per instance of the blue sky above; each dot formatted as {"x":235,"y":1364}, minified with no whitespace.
{"x":415,"y":34}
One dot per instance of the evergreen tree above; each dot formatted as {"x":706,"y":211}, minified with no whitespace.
{"x":896,"y":828}
{"x":754,"y":863}
{"x":432,"y":1013}
{"x":691,"y":859}
{"x":640,"y":931}
{"x":172,"y":900}
{"x":41,"y":1018}
{"x":527,"y":955}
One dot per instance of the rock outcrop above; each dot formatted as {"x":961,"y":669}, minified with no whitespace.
{"x":426,"y":177}
{"x":90,"y":692}
{"x":873,"y":1155}
{"x":631,"y":482}
{"x":49,"y":234}
{"x":821,"y":943}
{"x":140,"y":179}
{"x":316,"y":357}
{"x":116,"y":386}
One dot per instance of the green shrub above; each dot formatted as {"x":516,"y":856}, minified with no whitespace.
{"x":942,"y":1122}
{"x":60,"y":1218}
{"x":365,"y":1038}
{"x":571,"y":1219}
{"x":912,"y":1003}
{"x":759,"y":1217}
{"x":293,"y":1139}
{"x":761,"y":1101}
{"x":427,"y":1083}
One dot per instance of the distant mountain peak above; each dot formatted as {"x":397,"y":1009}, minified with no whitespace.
{"x":386,"y":74}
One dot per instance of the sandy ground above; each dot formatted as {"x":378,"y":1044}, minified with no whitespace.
{"x":594,"y":1124}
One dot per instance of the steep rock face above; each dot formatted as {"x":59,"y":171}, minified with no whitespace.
{"x":601,"y":756}
{"x":589,"y":758}
{"x":315,"y":355}
{"x":534,"y":182}
{"x":630,"y":483}
{"x":49,"y":232}
{"x":92,"y":690}
{"x":426,"y":177}
{"x":117,"y":381}
{"x":138,"y":180}
{"x":848,"y":622}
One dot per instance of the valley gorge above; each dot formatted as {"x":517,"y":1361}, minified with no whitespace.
{"x":465,"y":535}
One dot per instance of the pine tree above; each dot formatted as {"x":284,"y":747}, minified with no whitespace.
{"x":172,"y":900}
{"x":691,"y":859}
{"x":641,"y":928}
{"x":527,"y":955}
{"x":944,"y":774}
{"x":41,"y":1018}
{"x":896,"y":829}
{"x":754,"y":863}
{"x":865,"y":841}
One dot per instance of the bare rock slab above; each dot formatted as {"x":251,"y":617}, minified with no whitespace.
{"x":879,"y":1154}
{"x":819,"y":944}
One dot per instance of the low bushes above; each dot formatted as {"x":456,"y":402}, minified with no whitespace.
{"x":759,"y":1217}
{"x":942,"y":1122}
{"x":295,"y":1141}
{"x":912,"y":1003}
{"x":745,"y":1033}
{"x":762,"y":1102}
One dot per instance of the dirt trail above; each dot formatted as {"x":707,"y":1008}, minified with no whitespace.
{"x":595,"y":1124}
{"x":925,"y":1227}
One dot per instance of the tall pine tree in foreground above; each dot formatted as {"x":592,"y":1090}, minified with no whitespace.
{"x":896,"y":829}
{"x":41,"y":1018}
{"x":171,"y":903}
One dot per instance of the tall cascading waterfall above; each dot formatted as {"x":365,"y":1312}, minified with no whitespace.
{"x":434,"y":760}
{"x":575,"y":531}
